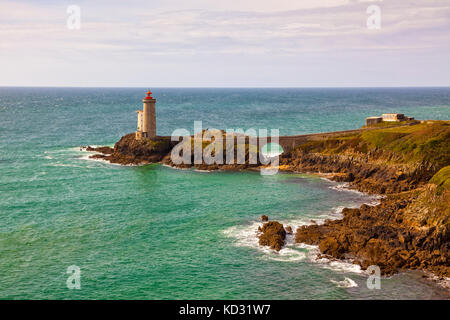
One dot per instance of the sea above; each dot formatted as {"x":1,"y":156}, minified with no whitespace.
{"x":75,"y":228}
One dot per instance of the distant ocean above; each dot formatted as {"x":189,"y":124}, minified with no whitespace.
{"x":154,"y":232}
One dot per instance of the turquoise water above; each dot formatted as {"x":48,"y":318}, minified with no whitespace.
{"x":153,"y":232}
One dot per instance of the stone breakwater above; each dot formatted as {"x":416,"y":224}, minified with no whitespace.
{"x":409,"y":229}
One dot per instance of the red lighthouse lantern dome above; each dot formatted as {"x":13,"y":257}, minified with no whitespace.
{"x":149,"y":95}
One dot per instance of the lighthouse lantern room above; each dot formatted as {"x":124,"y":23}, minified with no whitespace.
{"x":146,"y":122}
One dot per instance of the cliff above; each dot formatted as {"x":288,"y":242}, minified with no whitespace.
{"x":410,"y":228}
{"x":409,"y":164}
{"x":378,"y":161}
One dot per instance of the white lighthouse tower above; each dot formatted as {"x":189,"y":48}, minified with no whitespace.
{"x":146,"y":126}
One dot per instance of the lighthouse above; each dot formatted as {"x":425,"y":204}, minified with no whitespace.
{"x":146,"y":126}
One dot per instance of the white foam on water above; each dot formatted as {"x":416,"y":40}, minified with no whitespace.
{"x":346,"y":283}
{"x":88,"y":157}
{"x":83,"y":148}
{"x":60,"y":151}
{"x":445,"y":283}
{"x":334,"y":214}
{"x":198,"y":170}
{"x":99,"y":160}
{"x":247,"y":236}
{"x":78,"y":153}
{"x":286,"y":255}
{"x":340,"y":186}
{"x":65,"y":165}
{"x":338,"y":265}
{"x":344,"y":266}
{"x":103,"y":161}
{"x":296,"y":223}
{"x":175,"y":168}
{"x":331,"y":264}
{"x":345,"y":187}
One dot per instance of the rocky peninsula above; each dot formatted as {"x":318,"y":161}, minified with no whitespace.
{"x":408,"y":164}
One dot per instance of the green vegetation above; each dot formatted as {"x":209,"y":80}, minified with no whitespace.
{"x":155,"y":145}
{"x":385,"y":124}
{"x":239,"y":144}
{"x":428,"y":141}
{"x":442,"y":179}
{"x":424,"y":142}
{"x":432,"y":204}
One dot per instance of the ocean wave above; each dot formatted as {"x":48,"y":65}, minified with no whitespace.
{"x":331,"y":264}
{"x":175,"y":168}
{"x":65,"y":165}
{"x":370,"y":199}
{"x":346,"y":283}
{"x":65,"y":158}
{"x":247,"y":236}
{"x":345,"y":186}
{"x":103,"y":161}
{"x":334,"y":214}
{"x":82,"y":150}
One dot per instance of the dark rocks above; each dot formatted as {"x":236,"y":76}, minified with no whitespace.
{"x":288,"y":230}
{"x":332,"y":247}
{"x":273,"y":235}
{"x":264,"y":218}
{"x":361,"y":173}
{"x":344,"y":177}
{"x":104,"y":150}
{"x":309,"y":234}
{"x":374,"y":235}
{"x":128,"y":150}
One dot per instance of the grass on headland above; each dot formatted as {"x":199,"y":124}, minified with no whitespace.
{"x":386,"y":124}
{"x":442,"y":179}
{"x":425,"y":142}
{"x":429,"y":141}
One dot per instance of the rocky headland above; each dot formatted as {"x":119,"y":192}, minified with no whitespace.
{"x":408,"y":165}
{"x":129,"y":151}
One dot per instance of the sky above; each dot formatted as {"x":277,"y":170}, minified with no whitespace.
{"x":233,"y":43}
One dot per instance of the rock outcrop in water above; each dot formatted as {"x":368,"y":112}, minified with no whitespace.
{"x":272,"y":235}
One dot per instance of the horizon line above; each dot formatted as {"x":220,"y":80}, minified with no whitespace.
{"x":231,"y":87}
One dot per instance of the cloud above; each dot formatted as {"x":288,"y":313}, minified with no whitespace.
{"x":289,"y":25}
{"x":139,"y":30}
